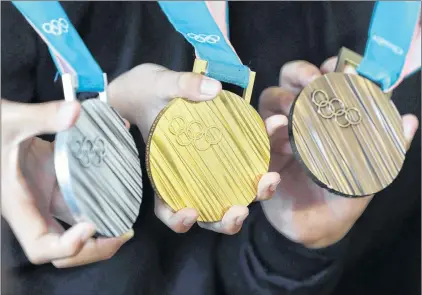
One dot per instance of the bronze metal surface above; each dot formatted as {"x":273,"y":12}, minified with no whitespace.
{"x":348,"y":134}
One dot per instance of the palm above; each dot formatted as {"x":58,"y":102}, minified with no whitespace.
{"x":301,"y":209}
{"x":37,"y":166}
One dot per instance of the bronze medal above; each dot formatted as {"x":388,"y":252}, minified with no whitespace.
{"x":347,"y":134}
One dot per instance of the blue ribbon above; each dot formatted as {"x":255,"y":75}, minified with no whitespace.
{"x":66,"y":46}
{"x":389,"y":39}
{"x":194,"y":21}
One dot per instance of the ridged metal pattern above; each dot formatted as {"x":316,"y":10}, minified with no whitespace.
{"x":99,"y":171}
{"x":355,"y":159}
{"x":208,"y":155}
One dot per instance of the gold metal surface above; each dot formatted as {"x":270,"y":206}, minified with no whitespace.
{"x":247,"y":92}
{"x":359,"y":160}
{"x":200,"y":66}
{"x":207,"y":155}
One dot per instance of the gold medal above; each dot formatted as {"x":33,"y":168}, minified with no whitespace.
{"x":208,"y":155}
{"x":347,"y":133}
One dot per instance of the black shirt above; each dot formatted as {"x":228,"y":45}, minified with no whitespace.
{"x":380,"y":255}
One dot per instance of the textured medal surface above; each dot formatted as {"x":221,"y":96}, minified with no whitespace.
{"x":348,"y":134}
{"x":209,"y":155}
{"x":98,"y":170}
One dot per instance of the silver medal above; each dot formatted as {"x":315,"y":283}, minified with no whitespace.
{"x":98,"y":169}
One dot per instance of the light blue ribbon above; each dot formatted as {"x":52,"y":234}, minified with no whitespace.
{"x":195,"y":22}
{"x":67,"y":49}
{"x":390,"y":35}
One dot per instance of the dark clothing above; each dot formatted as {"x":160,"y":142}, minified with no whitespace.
{"x":381,"y":254}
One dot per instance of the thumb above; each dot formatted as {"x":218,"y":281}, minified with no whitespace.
{"x":22,"y":120}
{"x":295,"y":75}
{"x":166,"y":84}
{"x":192,"y":86}
{"x":410,"y":126}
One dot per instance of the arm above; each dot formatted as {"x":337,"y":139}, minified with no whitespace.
{"x":297,"y":242}
{"x":260,"y":260}
{"x":30,"y":195}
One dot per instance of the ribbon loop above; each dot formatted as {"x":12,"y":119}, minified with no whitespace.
{"x":204,"y":25}
{"x":67,"y":49}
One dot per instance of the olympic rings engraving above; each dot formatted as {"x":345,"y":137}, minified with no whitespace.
{"x":335,"y":107}
{"x":89,"y":152}
{"x":194,"y":133}
{"x":56,"y":26}
{"x":202,"y":38}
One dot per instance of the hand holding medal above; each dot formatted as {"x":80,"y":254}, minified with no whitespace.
{"x":344,"y":130}
{"x":303,"y":210}
{"x":210,"y":156}
{"x":96,"y":161}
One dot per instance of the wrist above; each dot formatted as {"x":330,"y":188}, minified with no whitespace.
{"x":312,"y":233}
{"x":324,"y":242}
{"x":121,"y":102}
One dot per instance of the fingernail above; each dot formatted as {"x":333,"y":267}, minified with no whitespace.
{"x":66,"y":113}
{"x":209,"y":87}
{"x":129,"y":235}
{"x":189,"y":221}
{"x":348,"y":69}
{"x":407,"y":132}
{"x":241,"y":219}
{"x":273,"y":186}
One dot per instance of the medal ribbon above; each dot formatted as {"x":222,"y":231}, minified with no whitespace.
{"x":204,"y":24}
{"x":67,"y":49}
{"x":393,"y":50}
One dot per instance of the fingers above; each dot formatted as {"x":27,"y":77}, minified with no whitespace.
{"x":49,"y":246}
{"x":329,"y":65}
{"x":274,"y":123}
{"x":179,"y":222}
{"x":275,"y":100}
{"x":294,"y":76}
{"x":183,"y":220}
{"x":127,"y":123}
{"x":161,"y":83}
{"x":410,"y":126}
{"x":44,"y":240}
{"x":267,"y":186}
{"x":32,"y":230}
{"x":192,"y":86}
{"x":231,"y":223}
{"x":21,"y":120}
{"x":297,"y":74}
{"x":279,"y":135}
{"x":95,"y":250}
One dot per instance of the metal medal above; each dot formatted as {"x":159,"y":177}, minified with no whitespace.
{"x":98,"y":169}
{"x":96,"y":161}
{"x":347,"y":132}
{"x":208,"y":155}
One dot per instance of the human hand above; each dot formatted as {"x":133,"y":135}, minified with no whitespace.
{"x":140,"y":95}
{"x":301,"y":210}
{"x":31,"y":197}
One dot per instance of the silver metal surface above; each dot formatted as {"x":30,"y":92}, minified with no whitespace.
{"x":68,"y":83}
{"x":98,"y":170}
{"x":103,"y":95}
